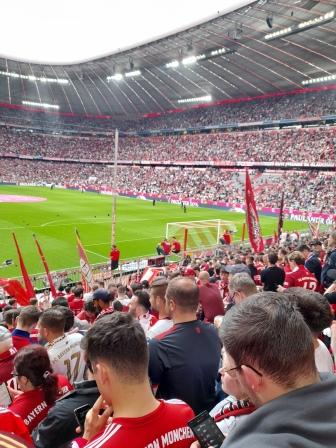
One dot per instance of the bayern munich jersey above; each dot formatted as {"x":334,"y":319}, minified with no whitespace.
{"x":66,"y":357}
{"x":164,"y":427}
{"x":302,"y":278}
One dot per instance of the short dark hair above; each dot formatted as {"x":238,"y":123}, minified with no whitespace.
{"x":11,"y":315}
{"x":117,"y":306}
{"x":33,"y":301}
{"x":78,"y":292}
{"x":29,"y":315}
{"x":273,"y":258}
{"x":143,"y":299}
{"x":53,"y":319}
{"x":60,"y":301}
{"x":314,"y":308}
{"x":121,"y":289}
{"x":69,"y":317}
{"x":268,"y":332}
{"x":119,"y":340}
{"x":11,"y":301}
{"x":89,"y":306}
{"x":134,"y":287}
{"x":185,"y":293}
{"x":159,"y":287}
{"x":303,"y":247}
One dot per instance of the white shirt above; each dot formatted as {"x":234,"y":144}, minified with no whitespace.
{"x":323,"y":360}
{"x":66,"y":357}
{"x":159,"y":327}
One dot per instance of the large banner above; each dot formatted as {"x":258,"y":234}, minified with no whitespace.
{"x":87,"y":277}
{"x":28,"y":284}
{"x":46,"y":268}
{"x":252,"y":219}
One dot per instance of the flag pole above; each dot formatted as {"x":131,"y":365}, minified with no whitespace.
{"x":114,"y":187}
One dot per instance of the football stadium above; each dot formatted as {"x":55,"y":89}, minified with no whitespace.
{"x":168,"y":224}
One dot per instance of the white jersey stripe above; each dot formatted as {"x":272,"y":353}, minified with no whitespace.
{"x":108,"y":433}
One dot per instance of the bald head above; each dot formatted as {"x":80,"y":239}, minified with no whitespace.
{"x":184,"y":292}
{"x":204,"y":277}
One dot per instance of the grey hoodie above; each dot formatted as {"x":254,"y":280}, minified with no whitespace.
{"x":304,"y":418}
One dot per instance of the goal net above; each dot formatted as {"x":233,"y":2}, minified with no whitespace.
{"x":197,"y":234}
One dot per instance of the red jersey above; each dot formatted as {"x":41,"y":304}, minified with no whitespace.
{"x":115,"y":254}
{"x":147,"y":321}
{"x":301,"y":278}
{"x":12,"y":423}
{"x":166,"y":426}
{"x":6,"y":364}
{"x":76,"y":305}
{"x":166,"y":247}
{"x":227,"y":238}
{"x":176,"y":246}
{"x":31,"y":406}
{"x":211,"y":301}
{"x":84,"y":315}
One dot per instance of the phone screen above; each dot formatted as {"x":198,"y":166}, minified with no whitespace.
{"x":5,"y":398}
{"x":80,"y":414}
{"x":206,"y":430}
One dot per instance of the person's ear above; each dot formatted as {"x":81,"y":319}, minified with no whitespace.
{"x":252,"y":379}
{"x":101,"y":373}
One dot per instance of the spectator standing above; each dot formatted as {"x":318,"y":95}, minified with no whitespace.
{"x":209,"y":298}
{"x":139,"y":308}
{"x":273,"y":275}
{"x":330,"y":262}
{"x":25,"y":325}
{"x":272,"y":354}
{"x":157,"y":299}
{"x":102,"y":301}
{"x":114,"y":256}
{"x":63,"y":349}
{"x":185,"y":359}
{"x":116,"y":349}
{"x":299,"y":275}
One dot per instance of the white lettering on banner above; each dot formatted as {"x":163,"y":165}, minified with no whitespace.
{"x":171,"y":437}
{"x":35,"y":412}
{"x":313,"y":219}
{"x":188,"y":202}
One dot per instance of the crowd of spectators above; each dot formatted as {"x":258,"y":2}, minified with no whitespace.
{"x":309,"y":145}
{"x":147,"y":354}
{"x":304,"y":190}
{"x":301,"y":105}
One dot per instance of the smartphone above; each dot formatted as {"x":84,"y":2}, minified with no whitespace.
{"x":206,"y":431}
{"x":5,"y":398}
{"x":80,"y":414}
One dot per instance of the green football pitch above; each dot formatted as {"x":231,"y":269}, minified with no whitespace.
{"x":140,"y":226}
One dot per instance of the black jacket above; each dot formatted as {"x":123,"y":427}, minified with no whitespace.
{"x":59,"y":427}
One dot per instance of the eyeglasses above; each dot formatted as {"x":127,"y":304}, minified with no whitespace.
{"x":239,"y":367}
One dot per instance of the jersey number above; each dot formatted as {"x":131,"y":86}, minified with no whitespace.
{"x":310,"y":285}
{"x":68,"y":363}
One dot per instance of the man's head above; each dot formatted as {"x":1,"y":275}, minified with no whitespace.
{"x":140,"y":303}
{"x":272,"y":258}
{"x":304,"y":250}
{"x":241,"y":286}
{"x":51,"y":324}
{"x":204,"y":277}
{"x":101,"y":299}
{"x":157,"y":294}
{"x":116,"y":350}
{"x":78,"y":292}
{"x":182,"y":297}
{"x":296,"y":259}
{"x":69,"y":317}
{"x":28,"y":318}
{"x":10,"y":317}
{"x":316,"y":245}
{"x":332,"y":240}
{"x":60,"y":301}
{"x":5,"y":339}
{"x":314,"y":308}
{"x":270,"y":345}
{"x":121,"y":291}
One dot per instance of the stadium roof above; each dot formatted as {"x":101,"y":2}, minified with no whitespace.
{"x":223,"y":58}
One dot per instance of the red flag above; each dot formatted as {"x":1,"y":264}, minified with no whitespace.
{"x":15,"y":289}
{"x":28,"y":284}
{"x":87,"y":277}
{"x":281,"y":216}
{"x":252,"y":218}
{"x":45,"y":264}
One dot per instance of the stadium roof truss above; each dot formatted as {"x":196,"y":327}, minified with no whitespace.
{"x":236,"y":60}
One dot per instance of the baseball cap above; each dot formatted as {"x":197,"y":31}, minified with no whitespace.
{"x":237,"y":268}
{"x":4,"y":334}
{"x":102,"y":294}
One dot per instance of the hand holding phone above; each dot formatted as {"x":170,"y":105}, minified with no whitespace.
{"x":206,"y":431}
{"x":80,"y":414}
